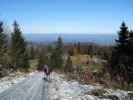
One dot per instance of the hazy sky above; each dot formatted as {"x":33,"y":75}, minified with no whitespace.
{"x":67,"y":16}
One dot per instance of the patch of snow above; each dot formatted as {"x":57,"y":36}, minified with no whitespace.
{"x":12,"y":79}
{"x":61,"y":89}
{"x":69,"y":90}
{"x":118,"y":93}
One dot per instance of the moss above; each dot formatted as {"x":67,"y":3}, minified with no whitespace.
{"x":98,"y":92}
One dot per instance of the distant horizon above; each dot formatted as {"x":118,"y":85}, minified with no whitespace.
{"x":92,"y":33}
{"x":107,"y":39}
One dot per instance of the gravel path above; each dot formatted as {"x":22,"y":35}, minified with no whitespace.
{"x":32,"y":88}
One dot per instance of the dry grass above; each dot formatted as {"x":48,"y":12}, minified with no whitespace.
{"x":80,"y":59}
{"x":33,"y":64}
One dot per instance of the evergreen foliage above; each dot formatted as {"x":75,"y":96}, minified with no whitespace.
{"x":32,"y":52}
{"x":18,"y":48}
{"x":121,"y":60}
{"x":41,"y":61}
{"x":3,"y":45}
{"x":79,"y":48}
{"x":91,"y":50}
{"x":57,"y":54}
{"x":68,"y":65}
{"x":3,"y":41}
{"x":3,"y":50}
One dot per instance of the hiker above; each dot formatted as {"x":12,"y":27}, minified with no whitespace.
{"x":47,"y":71}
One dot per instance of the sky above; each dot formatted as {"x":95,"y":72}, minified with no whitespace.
{"x":67,"y":16}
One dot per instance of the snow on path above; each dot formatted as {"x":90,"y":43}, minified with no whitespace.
{"x":30,"y":88}
{"x":12,"y":79}
{"x":33,"y":87}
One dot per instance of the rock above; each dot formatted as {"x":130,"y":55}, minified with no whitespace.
{"x":89,"y":97}
{"x":130,"y":96}
{"x":112,"y":97}
{"x":56,"y":97}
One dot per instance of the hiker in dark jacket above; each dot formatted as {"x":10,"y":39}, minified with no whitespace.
{"x":47,"y":71}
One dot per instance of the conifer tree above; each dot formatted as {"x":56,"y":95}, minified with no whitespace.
{"x":79,"y":48}
{"x":3,"y":46}
{"x":91,"y":50}
{"x":68,"y":65}
{"x":122,"y":40}
{"x":19,"y":48}
{"x":75,"y":51}
{"x":32,"y":52}
{"x":57,"y":54}
{"x":120,"y":58}
{"x":41,"y":61}
{"x":130,"y":43}
{"x":130,"y":55}
{"x":59,"y":45}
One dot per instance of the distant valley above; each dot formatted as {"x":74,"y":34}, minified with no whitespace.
{"x":104,"y":39}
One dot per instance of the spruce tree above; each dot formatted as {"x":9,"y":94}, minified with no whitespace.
{"x":91,"y":50}
{"x":59,"y":50}
{"x":57,"y":54}
{"x":130,"y":54}
{"x":130,"y":43}
{"x":75,"y":51}
{"x":19,"y":48}
{"x":68,"y":65}
{"x":122,"y":40}
{"x":120,"y":58}
{"x":59,"y":45}
{"x":79,"y":48}
{"x":41,"y":61}
{"x":32,"y":52}
{"x":3,"y":46}
{"x":44,"y":59}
